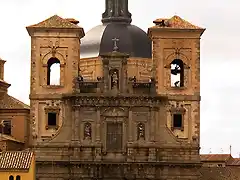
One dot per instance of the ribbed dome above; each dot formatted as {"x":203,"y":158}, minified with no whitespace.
{"x":132,"y":40}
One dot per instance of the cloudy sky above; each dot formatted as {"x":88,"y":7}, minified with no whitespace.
{"x":220,"y":49}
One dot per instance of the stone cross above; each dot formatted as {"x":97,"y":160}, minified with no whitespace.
{"x":115,"y":47}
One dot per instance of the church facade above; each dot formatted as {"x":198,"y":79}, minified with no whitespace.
{"x":127,"y":105}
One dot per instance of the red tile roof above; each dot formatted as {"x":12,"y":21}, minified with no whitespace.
{"x":215,"y":157}
{"x":9,"y":102}
{"x":15,"y":160}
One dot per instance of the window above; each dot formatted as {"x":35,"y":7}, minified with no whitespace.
{"x":114,"y":136}
{"x":177,"y":73}
{"x":177,"y":121}
{"x":53,"y":71}
{"x":52,"y":119}
{"x":6,"y":127}
{"x":18,"y":177}
{"x":11,"y":177}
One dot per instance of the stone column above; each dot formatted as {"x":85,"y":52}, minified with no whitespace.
{"x":98,"y":125}
{"x":125,"y":76}
{"x":152,"y":124}
{"x":106,"y":78}
{"x":77,"y":119}
{"x":73,"y":138}
{"x":130,"y":122}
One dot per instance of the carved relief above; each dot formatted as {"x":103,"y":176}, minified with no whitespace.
{"x":87,"y":131}
{"x":53,"y":104}
{"x":115,"y":112}
{"x":53,"y":45}
{"x":51,"y":48}
{"x":177,"y":108}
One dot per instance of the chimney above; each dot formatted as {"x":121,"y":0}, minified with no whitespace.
{"x":2,"y":62}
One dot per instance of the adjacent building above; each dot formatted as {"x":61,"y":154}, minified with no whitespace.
{"x":14,"y":118}
{"x":219,"y":167}
{"x":17,"y":165}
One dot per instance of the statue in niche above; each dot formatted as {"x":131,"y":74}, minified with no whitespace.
{"x":114,"y":80}
{"x":141,"y":131}
{"x":87,"y":131}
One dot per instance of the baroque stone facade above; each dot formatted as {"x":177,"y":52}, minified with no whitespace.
{"x":116,"y":116}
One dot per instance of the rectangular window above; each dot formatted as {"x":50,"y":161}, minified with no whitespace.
{"x":52,"y":119}
{"x":177,"y":121}
{"x":6,"y":127}
{"x":114,"y":136}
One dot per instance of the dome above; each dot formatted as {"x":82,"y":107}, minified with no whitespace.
{"x":131,"y":40}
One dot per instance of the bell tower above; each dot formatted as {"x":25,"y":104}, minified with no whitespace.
{"x":176,"y":66}
{"x":54,"y":42}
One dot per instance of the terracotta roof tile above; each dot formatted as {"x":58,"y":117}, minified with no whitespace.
{"x":215,"y":157}
{"x":175,"y":22}
{"x":55,"y":22}
{"x":9,"y":102}
{"x":15,"y":160}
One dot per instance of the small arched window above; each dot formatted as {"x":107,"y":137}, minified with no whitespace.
{"x":11,"y":177}
{"x":18,"y":177}
{"x":53,"y":71}
{"x":177,"y":73}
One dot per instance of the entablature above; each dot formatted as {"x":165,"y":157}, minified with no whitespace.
{"x":119,"y":100}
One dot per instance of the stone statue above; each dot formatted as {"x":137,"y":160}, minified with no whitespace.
{"x":87,"y":131}
{"x":114,"y":80}
{"x":141,"y":131}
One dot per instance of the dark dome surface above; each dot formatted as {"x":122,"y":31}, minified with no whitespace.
{"x":132,"y":40}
